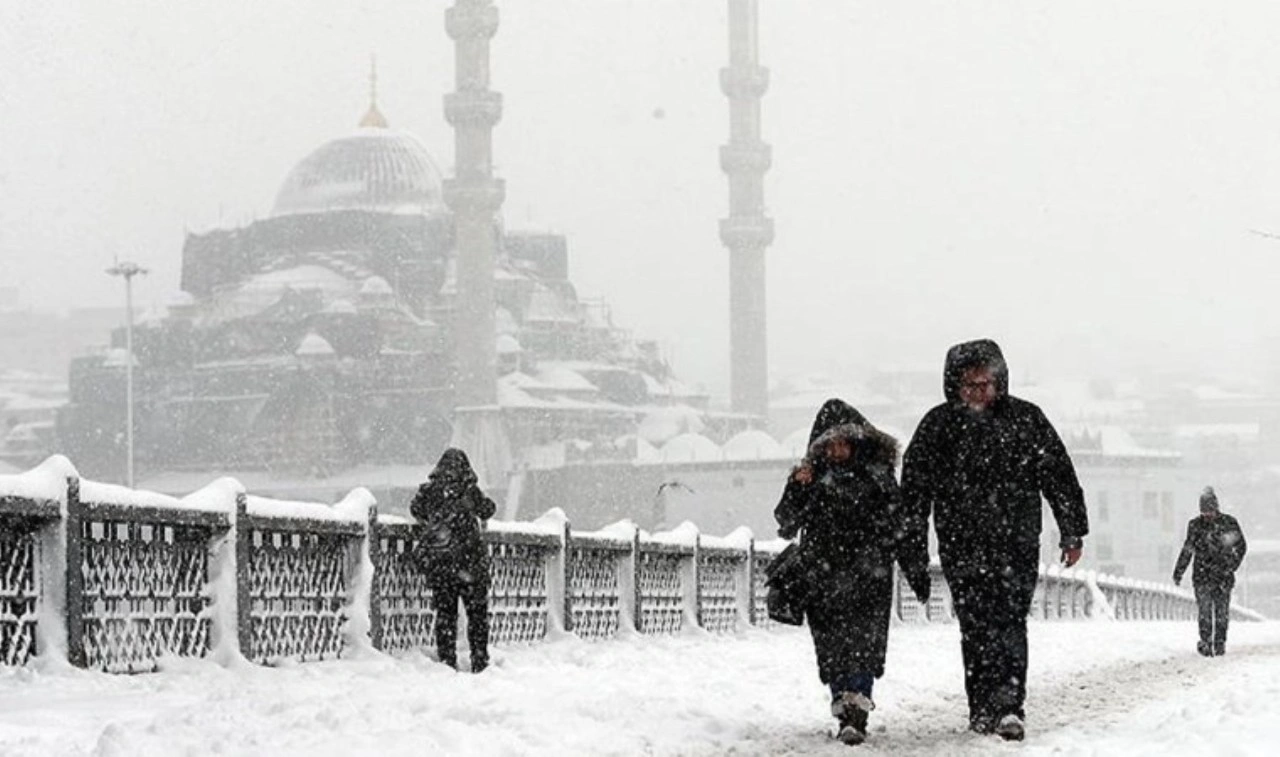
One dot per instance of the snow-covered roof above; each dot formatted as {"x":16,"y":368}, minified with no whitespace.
{"x":753,"y":444}
{"x":691,"y":448}
{"x":1111,"y":441}
{"x":507,"y":345}
{"x":1241,"y":430}
{"x":555,"y":375}
{"x":796,"y":443}
{"x":663,"y":423}
{"x":314,"y":345}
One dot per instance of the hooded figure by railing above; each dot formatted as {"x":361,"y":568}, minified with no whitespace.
{"x":451,"y":511}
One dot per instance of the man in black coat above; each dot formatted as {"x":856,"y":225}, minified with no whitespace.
{"x":1216,"y":542}
{"x":979,"y":464}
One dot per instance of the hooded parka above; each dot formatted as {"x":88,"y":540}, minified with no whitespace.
{"x":981,"y":475}
{"x":847,"y":521}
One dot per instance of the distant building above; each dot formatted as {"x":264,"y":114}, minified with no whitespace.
{"x":321,"y":338}
{"x":1139,"y":500}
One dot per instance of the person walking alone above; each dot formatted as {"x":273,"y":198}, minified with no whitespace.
{"x":1216,"y":543}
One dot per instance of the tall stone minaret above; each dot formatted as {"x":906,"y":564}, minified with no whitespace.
{"x":475,"y":196}
{"x":747,"y":232}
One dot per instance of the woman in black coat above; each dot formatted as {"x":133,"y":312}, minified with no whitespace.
{"x":843,"y":502}
{"x":451,"y":511}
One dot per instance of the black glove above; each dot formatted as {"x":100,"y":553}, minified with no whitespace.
{"x":1177,"y":580}
{"x":920,"y":586}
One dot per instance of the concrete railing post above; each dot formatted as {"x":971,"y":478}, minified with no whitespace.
{"x":73,"y":595}
{"x":559,"y":598}
{"x":690,"y":585}
{"x":244,"y":562}
{"x":629,"y":584}
{"x":373,"y":535}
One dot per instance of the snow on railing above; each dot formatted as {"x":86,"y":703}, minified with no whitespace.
{"x":1070,"y":594}
{"x":236,"y":577}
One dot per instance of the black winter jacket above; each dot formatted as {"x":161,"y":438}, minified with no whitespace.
{"x":452,"y":494}
{"x":848,"y":522}
{"x":981,"y":475}
{"x":1218,"y":546}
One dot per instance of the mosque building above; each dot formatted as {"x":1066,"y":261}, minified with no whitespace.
{"x":321,"y":336}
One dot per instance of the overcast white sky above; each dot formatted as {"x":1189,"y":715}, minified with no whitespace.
{"x":1074,"y":179}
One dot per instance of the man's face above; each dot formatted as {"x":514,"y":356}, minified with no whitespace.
{"x":1208,"y":514}
{"x":978,"y":388}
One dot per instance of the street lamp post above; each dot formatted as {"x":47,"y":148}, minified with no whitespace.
{"x":128,"y":270}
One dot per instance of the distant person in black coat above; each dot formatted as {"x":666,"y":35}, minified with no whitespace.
{"x":1216,"y":542}
{"x":843,"y":502}
{"x":979,"y":463}
{"x":451,"y":511}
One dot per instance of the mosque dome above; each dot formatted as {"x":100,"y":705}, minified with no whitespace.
{"x":375,"y":169}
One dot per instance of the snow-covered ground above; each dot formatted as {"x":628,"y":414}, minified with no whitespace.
{"x":1099,"y":688}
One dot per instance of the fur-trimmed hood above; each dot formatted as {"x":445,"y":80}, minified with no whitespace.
{"x":870,"y":444}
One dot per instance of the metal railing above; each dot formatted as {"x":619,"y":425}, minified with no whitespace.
{"x":118,"y":580}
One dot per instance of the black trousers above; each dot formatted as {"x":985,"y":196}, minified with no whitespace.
{"x":475,"y":598}
{"x":1214,"y":600}
{"x":992,"y":608}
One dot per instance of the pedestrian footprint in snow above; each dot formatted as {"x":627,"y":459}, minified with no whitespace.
{"x":451,"y":512}
{"x":1217,"y":544}
{"x":842,"y":501}
{"x":979,"y":464}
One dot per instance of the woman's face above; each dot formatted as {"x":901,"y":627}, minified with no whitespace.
{"x":839,"y":450}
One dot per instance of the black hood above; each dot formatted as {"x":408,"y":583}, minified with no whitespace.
{"x":834,"y":412}
{"x":454,"y":467}
{"x":964,"y":356}
{"x":839,"y":419}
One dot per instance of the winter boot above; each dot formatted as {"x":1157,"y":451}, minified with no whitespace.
{"x":983,"y":724}
{"x":851,"y":709}
{"x":1205,"y":648}
{"x":1010,"y":728}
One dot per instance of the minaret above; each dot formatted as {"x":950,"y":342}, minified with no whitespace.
{"x":747,"y":231}
{"x":474,"y":196}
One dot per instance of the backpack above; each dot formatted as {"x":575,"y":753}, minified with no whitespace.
{"x":444,"y":540}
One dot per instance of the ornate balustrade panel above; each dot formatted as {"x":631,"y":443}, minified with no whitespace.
{"x":661,"y":591}
{"x":518,"y":596}
{"x":145,"y":593}
{"x":718,"y":572}
{"x":408,"y":619}
{"x":19,"y":589}
{"x":297,"y":594}
{"x":939,"y":605}
{"x":595,"y":594}
{"x":760,"y":591}
{"x":909,"y":608}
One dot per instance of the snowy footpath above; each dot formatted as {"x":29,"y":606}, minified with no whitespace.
{"x":1096,"y":688}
